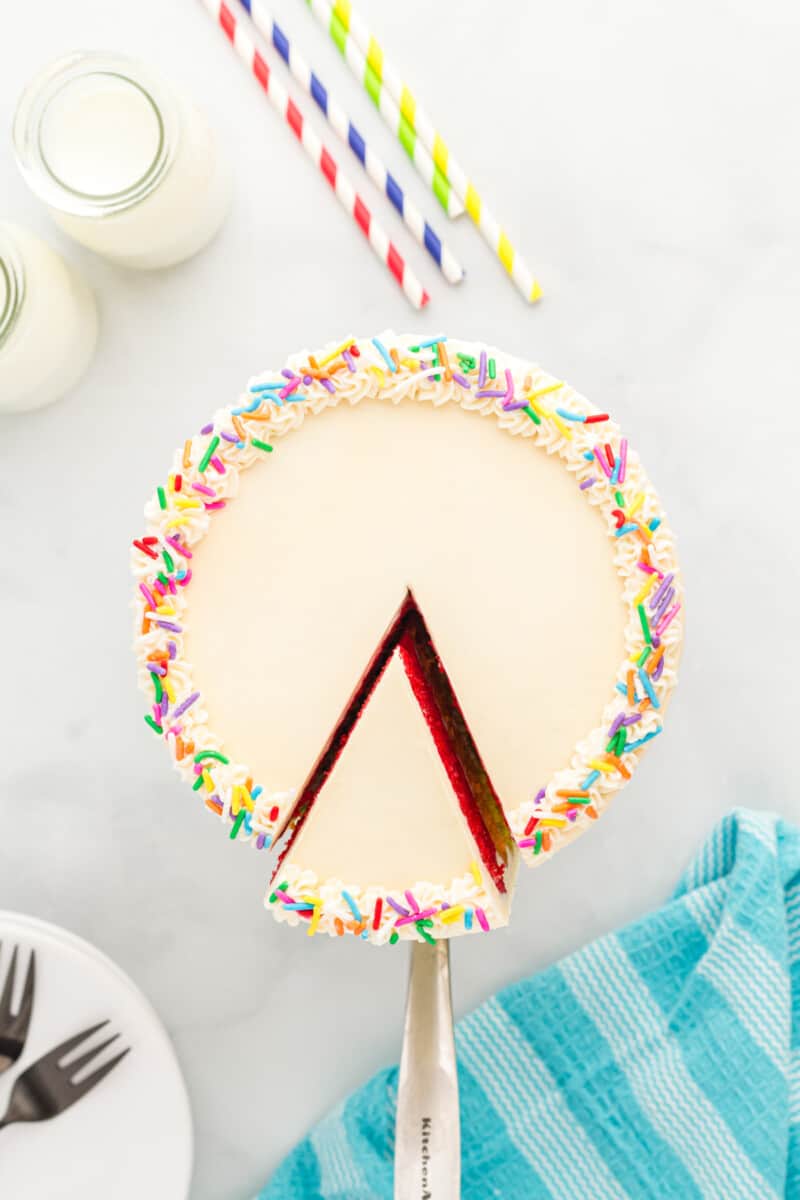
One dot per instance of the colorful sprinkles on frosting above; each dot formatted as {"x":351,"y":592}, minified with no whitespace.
{"x":530,"y":404}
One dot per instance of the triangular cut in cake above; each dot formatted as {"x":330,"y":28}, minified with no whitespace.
{"x":399,"y":796}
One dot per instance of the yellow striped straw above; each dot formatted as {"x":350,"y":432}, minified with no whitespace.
{"x":385,"y":78}
{"x":381,"y":97}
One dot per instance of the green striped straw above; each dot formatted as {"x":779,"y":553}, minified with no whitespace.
{"x":387,"y":106}
{"x":384,"y":79}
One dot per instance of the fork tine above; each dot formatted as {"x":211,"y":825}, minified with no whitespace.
{"x":26,"y":1006}
{"x":8,"y":990}
{"x":54,"y":1056}
{"x":92,"y":1080}
{"x":74,"y":1066}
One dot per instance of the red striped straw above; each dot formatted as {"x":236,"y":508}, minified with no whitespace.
{"x":242,"y":42}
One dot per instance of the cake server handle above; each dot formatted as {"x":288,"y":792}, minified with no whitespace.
{"x":427,"y":1155}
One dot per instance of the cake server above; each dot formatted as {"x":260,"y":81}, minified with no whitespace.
{"x":14,"y":1026}
{"x":427,"y":1156}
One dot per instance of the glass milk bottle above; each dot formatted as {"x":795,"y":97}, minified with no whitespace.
{"x":124,"y":162}
{"x":48,"y":322}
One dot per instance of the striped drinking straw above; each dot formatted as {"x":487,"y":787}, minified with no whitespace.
{"x":380,"y":78}
{"x":348,"y":197}
{"x":386,"y":106}
{"x":347,"y":131}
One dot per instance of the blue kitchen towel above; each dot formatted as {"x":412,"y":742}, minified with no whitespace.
{"x":660,"y":1061}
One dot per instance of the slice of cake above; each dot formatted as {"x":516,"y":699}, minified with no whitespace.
{"x":399,"y":796}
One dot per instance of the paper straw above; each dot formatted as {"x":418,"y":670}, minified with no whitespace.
{"x":347,"y":131}
{"x":348,"y":197}
{"x":346,"y":28}
{"x":386,"y":106}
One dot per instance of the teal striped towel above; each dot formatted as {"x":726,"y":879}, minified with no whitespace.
{"x":661,"y":1061}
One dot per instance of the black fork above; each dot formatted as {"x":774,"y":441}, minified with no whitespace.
{"x":14,"y":1026}
{"x":49,"y":1086}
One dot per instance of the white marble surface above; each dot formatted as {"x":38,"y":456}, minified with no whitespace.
{"x":644,"y":158}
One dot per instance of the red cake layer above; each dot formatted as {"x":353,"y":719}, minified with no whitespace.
{"x":460,"y":757}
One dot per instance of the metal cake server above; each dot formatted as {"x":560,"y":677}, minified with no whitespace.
{"x":427,"y":1155}
{"x":14,"y":1026}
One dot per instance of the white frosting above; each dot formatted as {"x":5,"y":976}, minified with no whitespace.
{"x":463,"y":891}
{"x":509,"y":565}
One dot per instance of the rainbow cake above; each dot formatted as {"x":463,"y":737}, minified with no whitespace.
{"x":398,"y":647}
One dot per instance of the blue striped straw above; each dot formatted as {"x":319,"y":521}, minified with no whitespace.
{"x":342,"y":125}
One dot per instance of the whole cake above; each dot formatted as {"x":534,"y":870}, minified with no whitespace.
{"x":404,"y":647}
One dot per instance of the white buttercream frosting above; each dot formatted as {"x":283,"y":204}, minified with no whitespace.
{"x":464,"y":891}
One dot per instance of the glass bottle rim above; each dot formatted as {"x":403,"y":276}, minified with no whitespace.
{"x":34,"y":104}
{"x":12,"y":281}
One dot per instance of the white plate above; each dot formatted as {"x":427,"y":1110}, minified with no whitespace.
{"x":130,"y":1138}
